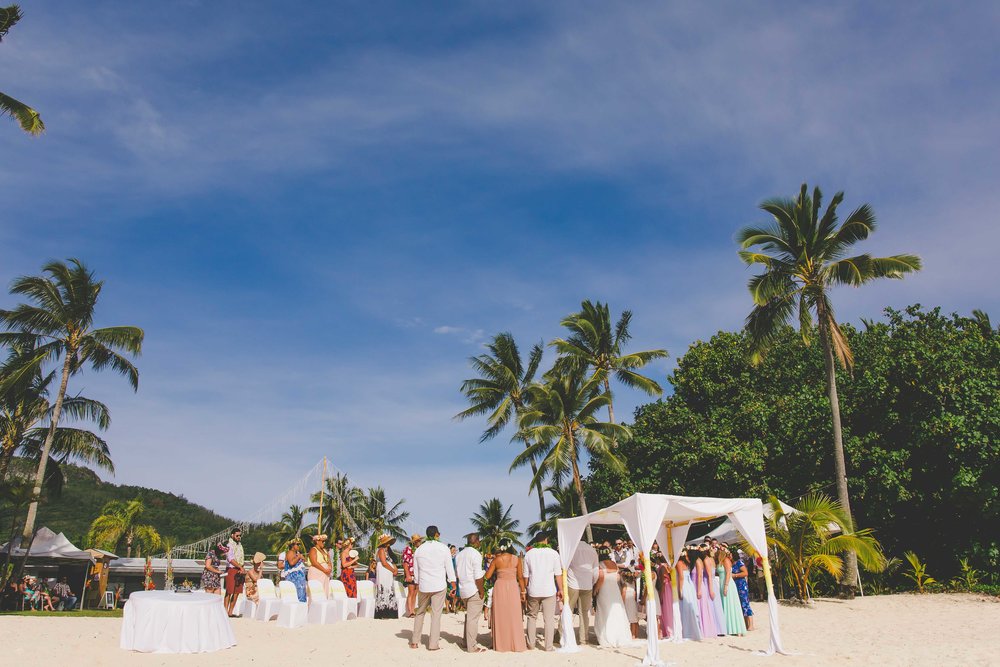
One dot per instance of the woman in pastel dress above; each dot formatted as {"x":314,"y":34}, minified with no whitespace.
{"x":688,"y":597}
{"x":666,"y":600}
{"x":705,"y":609}
{"x":735,"y":625}
{"x":712,"y":567}
{"x":508,"y":594}
{"x":295,"y":568}
{"x":386,"y":570}
{"x":319,"y":564}
{"x":627,"y":580}
{"x":611,"y":623}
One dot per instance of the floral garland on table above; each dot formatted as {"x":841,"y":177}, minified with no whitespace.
{"x":147,"y":583}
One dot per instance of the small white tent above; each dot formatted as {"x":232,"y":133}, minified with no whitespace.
{"x":48,"y":545}
{"x":666,"y":519}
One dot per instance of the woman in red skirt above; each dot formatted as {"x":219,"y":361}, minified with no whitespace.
{"x":348,"y":559}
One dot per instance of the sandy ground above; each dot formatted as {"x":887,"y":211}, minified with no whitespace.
{"x":884,"y":630}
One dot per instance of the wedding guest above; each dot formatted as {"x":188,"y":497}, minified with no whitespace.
{"x":702,"y":583}
{"x":581,"y":577}
{"x":319,"y":563}
{"x":411,"y":587}
{"x":63,"y":595}
{"x":618,"y":554}
{"x":337,"y":548}
{"x":508,"y":594}
{"x":432,"y":572}
{"x":470,"y":573}
{"x":235,"y":574}
{"x":253,"y":576}
{"x":348,"y":559}
{"x":543,"y":572}
{"x":295,"y":568}
{"x":211,"y":575}
{"x":385,"y":582}
{"x":735,"y":625}
{"x":626,"y":580}
{"x":739,"y":572}
{"x":714,"y":589}
{"x":665,"y":586}
{"x":687,"y":596}
{"x":451,"y":601}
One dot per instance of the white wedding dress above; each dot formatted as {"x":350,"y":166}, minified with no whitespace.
{"x":611,"y":623}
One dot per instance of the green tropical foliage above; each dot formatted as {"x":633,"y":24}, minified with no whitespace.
{"x":803,"y":256}
{"x":291,"y":525}
{"x":922,"y":431}
{"x":501,"y":391}
{"x":968,"y":578}
{"x":494,"y":524}
{"x":118,"y":526}
{"x":26,"y":117}
{"x":918,"y":572}
{"x":594,"y":345}
{"x":57,"y":323}
{"x":380,"y":518}
{"x":812,"y":539}
{"x":565,"y":504}
{"x":343,"y":503}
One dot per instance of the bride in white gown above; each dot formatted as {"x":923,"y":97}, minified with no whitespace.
{"x":611,"y":623}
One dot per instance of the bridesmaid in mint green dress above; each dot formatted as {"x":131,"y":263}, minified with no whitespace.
{"x":735,"y":624}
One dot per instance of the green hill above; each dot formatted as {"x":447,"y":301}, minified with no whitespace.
{"x":85,"y":494}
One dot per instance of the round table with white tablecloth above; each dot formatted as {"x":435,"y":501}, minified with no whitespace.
{"x":168,"y":622}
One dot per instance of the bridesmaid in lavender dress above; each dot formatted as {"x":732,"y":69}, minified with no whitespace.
{"x":687,"y":595}
{"x":705,"y":606}
{"x":666,"y":601}
{"x":715,"y":589}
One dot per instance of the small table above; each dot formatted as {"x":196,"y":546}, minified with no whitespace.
{"x":168,"y":622}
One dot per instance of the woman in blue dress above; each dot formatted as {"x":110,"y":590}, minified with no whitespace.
{"x":295,"y":568}
{"x":740,"y":579}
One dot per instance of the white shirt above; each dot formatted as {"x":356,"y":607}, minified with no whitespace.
{"x":541,"y":567}
{"x":468,"y":568}
{"x":432,"y":567}
{"x":582,"y":572}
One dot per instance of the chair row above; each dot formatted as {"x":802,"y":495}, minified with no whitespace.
{"x":282,"y":603}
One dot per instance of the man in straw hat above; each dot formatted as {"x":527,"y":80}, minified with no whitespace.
{"x":432,"y":572}
{"x":411,"y":588}
{"x":469,"y":571}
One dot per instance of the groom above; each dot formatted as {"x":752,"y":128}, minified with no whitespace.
{"x":433,"y":570}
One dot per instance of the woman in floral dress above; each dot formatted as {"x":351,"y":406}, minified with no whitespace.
{"x":347,"y":563}
{"x":740,"y":578}
{"x":210,"y":576}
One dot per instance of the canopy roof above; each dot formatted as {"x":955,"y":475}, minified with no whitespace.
{"x":50,"y":546}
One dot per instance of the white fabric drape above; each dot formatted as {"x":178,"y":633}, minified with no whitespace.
{"x":168,"y":622}
{"x":648,"y":518}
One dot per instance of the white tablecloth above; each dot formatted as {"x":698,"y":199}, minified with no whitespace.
{"x":167,"y":622}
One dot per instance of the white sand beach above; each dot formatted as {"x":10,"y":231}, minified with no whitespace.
{"x":881,"y":630}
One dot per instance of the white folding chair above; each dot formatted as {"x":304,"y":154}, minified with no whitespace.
{"x":323,"y":610}
{"x":269,"y":604}
{"x":366,"y":599}
{"x":400,"y":600}
{"x":349,"y":607}
{"x":292,"y":613}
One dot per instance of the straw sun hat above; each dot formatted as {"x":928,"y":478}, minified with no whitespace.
{"x":258,"y":557}
{"x":385,"y":539}
{"x":416,"y":538}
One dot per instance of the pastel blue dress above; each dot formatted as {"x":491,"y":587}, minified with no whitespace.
{"x":296,"y":575}
{"x":690,"y":614}
{"x":741,"y":588}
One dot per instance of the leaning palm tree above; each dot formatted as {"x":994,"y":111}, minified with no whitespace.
{"x":594,"y":345}
{"x":60,"y":324}
{"x":495,"y":524}
{"x":379,"y":518}
{"x":803,"y":258}
{"x":500,"y":391}
{"x":27,"y":118}
{"x":119,"y":526}
{"x":291,"y":525}
{"x":564,"y":506}
{"x":807,"y":541}
{"x":561,"y":424}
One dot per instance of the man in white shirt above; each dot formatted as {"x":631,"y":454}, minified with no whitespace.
{"x":469,"y":570}
{"x":542,"y":570}
{"x":433,"y":570}
{"x":581,"y":577}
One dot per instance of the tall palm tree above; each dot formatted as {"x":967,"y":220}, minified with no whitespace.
{"x":291,"y":524}
{"x":565,"y":505}
{"x":500,"y":391}
{"x":593,"y":344}
{"x":24,"y":405}
{"x":119,"y":526}
{"x":343,"y":507}
{"x":807,"y":542}
{"x":27,"y":117}
{"x":380,"y":518}
{"x":561,"y":424}
{"x":803,"y":258}
{"x":494,"y":524}
{"x":60,"y":324}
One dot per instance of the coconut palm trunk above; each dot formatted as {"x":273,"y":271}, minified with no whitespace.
{"x":578,"y":484}
{"x":850,"y":576}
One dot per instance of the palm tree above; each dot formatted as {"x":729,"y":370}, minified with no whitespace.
{"x":27,"y":117}
{"x":60,"y":324}
{"x":379,"y":518}
{"x":342,"y":507}
{"x":592,"y":344}
{"x":24,"y":405}
{"x":291,"y":524}
{"x":806,"y":541}
{"x":561,"y":425}
{"x":119,"y":525}
{"x":803,"y":256}
{"x":500,"y":391}
{"x":564,"y":506}
{"x":494,"y":524}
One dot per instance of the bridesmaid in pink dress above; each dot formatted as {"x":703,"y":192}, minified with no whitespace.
{"x":705,"y":606}
{"x":666,"y":601}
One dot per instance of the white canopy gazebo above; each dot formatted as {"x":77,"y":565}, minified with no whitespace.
{"x":665,"y":519}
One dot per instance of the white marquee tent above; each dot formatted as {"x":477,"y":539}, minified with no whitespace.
{"x":665,"y":520}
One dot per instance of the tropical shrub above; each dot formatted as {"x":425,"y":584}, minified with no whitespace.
{"x":918,"y":572}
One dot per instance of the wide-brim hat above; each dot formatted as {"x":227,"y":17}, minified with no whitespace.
{"x":258,"y":558}
{"x":416,"y":537}
{"x":386,"y":539}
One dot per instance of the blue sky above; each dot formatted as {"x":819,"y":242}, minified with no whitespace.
{"x":318,"y":215}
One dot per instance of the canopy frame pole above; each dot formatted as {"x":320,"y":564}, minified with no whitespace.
{"x":322,"y":492}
